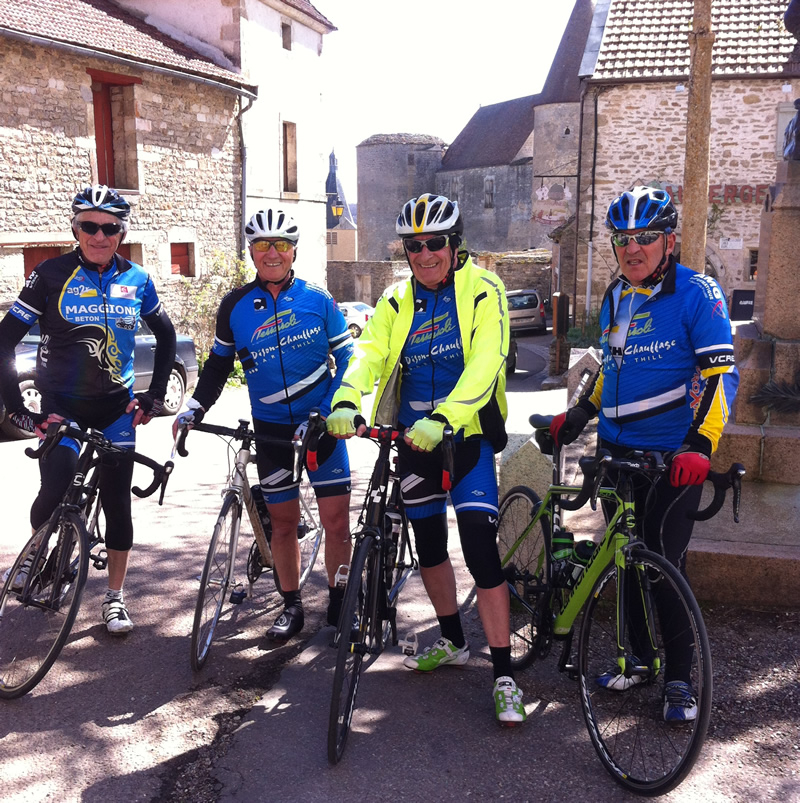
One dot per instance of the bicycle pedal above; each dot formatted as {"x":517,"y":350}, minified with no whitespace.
{"x":410,"y":644}
{"x":341,"y":575}
{"x":238,"y":596}
{"x":100,"y":560}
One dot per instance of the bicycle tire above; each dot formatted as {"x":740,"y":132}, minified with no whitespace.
{"x":355,"y":639}
{"x":215,"y":580}
{"x":642,"y":753}
{"x":36,"y":620}
{"x":309,"y":535}
{"x":526,"y":568}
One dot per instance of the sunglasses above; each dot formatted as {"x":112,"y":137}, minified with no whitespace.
{"x":109,"y":229}
{"x":434,"y":244}
{"x":281,"y":246}
{"x":643,"y":238}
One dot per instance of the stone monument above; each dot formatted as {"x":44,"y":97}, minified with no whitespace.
{"x":765,"y":432}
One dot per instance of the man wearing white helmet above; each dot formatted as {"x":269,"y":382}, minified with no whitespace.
{"x":282,"y":329}
{"x":85,"y":367}
{"x":438,"y":343}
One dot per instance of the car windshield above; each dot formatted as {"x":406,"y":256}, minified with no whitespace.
{"x":523,"y":302}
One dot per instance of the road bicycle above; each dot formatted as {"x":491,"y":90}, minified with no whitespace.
{"x":633,"y":600}
{"x":42,"y":591}
{"x":382,"y":562}
{"x":218,"y":581}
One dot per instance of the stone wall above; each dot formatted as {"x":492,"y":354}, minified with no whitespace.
{"x":186,"y":160}
{"x":744,"y":136}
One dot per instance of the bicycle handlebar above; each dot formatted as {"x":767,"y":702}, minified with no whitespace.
{"x":244,"y":433}
{"x":61,"y":429}
{"x":594,"y":469}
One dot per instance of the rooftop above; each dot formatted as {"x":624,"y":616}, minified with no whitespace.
{"x":104,"y":28}
{"x":645,"y":40}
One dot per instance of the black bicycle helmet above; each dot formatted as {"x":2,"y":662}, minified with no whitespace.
{"x":100,"y":198}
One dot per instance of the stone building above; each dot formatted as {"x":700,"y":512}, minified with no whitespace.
{"x":155,"y":104}
{"x":341,"y":228}
{"x":636,"y":69}
{"x":513,"y":167}
{"x":391,"y":169}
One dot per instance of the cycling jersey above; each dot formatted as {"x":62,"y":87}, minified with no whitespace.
{"x":463,"y":325}
{"x":283,"y":345}
{"x":88,"y":322}
{"x":668,"y":374}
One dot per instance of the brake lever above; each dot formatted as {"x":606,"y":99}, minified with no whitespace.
{"x":448,"y":468}
{"x":737,"y":472}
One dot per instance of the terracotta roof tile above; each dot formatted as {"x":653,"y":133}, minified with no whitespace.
{"x":104,"y":27}
{"x":650,"y":38}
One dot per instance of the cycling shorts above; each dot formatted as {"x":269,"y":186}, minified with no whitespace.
{"x":276,"y":463}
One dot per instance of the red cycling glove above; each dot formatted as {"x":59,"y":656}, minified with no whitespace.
{"x":565,"y":427}
{"x":688,"y":468}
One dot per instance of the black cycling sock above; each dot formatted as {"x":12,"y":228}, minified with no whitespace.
{"x":291,"y":599}
{"x":501,"y":662}
{"x":451,"y":629}
{"x":335,"y":598}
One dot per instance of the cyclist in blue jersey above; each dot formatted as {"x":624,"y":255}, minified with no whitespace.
{"x":282,"y":329}
{"x":667,"y":383}
{"x":88,"y":304}
{"x":438,"y":343}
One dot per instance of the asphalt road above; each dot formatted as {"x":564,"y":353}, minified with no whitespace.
{"x":127,"y":719}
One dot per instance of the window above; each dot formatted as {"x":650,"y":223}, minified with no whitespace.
{"x":289,"y":157}
{"x":35,"y":254}
{"x":286,"y":35}
{"x":182,"y":259}
{"x":113,"y":101}
{"x":332,"y":238}
{"x":488,"y":192}
{"x":751,"y":275}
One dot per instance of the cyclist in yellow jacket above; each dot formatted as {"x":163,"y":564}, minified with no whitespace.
{"x":438,"y":343}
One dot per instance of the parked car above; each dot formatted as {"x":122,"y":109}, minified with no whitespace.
{"x":511,"y":361}
{"x":356,"y":313}
{"x":183,"y":375}
{"x":526,"y":310}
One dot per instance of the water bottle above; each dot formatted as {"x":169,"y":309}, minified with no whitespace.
{"x":563,"y":543}
{"x":581,"y":555}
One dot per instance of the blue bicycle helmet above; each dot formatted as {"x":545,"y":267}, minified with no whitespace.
{"x":100,"y":198}
{"x":642,"y":208}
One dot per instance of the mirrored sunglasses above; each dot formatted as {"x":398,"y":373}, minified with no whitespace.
{"x":643,"y":238}
{"x":109,"y":229}
{"x":434,"y":244}
{"x":281,"y":246}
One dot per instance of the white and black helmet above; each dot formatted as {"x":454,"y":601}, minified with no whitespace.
{"x":270,"y":223}
{"x":100,"y":198}
{"x":429,"y":214}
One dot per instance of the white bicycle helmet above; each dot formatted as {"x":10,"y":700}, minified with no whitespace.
{"x":100,"y":198}
{"x":429,"y":214}
{"x":269,"y":223}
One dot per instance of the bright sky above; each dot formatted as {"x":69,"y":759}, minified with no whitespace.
{"x":426,"y":66}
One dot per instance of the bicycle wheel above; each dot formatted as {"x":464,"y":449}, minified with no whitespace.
{"x":525,"y":566}
{"x":215,"y":579}
{"x":38,"y":606}
{"x":642,"y":752}
{"x":355,"y":638}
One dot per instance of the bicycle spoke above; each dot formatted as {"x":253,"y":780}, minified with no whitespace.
{"x":640,"y":750}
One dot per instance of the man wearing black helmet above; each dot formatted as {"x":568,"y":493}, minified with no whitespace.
{"x":88,"y":304}
{"x":666,"y":384}
{"x":437,"y":344}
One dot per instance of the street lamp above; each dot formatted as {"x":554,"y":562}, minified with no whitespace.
{"x":337,"y":207}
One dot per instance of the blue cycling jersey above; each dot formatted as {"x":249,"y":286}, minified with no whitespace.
{"x":668,"y":375}
{"x":283,"y":345}
{"x":433,"y":356}
{"x":88,"y":322}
